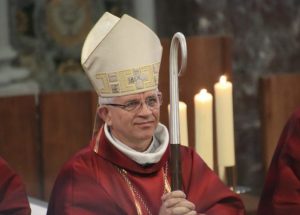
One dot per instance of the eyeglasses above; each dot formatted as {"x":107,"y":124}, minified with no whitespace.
{"x":152,"y":102}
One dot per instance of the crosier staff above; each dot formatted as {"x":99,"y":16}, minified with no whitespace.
{"x":178,"y":39}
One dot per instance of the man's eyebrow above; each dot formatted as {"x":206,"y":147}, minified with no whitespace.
{"x":131,"y":100}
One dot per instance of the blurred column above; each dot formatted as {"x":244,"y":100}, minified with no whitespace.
{"x":6,"y":51}
{"x":144,"y":11}
{"x":13,"y":81}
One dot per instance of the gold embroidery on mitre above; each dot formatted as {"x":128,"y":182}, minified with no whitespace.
{"x":130,"y":80}
{"x":156,"y":73}
{"x":102,"y":83}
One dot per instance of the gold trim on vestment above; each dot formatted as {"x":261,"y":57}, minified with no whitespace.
{"x":135,"y":193}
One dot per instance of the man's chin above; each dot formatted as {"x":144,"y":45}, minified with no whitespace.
{"x":146,"y":135}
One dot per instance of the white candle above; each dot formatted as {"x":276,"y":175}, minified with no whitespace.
{"x":224,"y":123}
{"x":204,"y":126}
{"x":183,"y":123}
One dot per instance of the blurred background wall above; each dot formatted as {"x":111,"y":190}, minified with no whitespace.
{"x":42,"y":44}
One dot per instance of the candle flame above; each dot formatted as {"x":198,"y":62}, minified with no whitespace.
{"x":223,"y":79}
{"x":203,"y":91}
{"x":203,"y":95}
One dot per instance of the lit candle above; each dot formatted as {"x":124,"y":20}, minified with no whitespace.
{"x":224,"y":123}
{"x":204,"y":126}
{"x":183,"y":123}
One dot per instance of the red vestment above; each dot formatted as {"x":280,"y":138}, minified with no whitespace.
{"x":90,"y":183}
{"x":13,"y":198}
{"x":281,"y":192}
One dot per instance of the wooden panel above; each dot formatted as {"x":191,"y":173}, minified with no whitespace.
{"x":208,"y":59}
{"x":280,"y":97}
{"x":66,"y":122}
{"x":18,"y":139}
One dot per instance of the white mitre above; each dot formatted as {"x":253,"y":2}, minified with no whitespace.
{"x":121,"y":56}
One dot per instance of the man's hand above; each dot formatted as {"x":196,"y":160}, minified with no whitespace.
{"x":175,"y":203}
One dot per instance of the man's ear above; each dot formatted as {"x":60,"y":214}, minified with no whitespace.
{"x":104,"y":114}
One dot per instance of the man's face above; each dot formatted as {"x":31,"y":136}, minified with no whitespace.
{"x":134,"y":128}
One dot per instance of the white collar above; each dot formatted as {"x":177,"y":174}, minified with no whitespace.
{"x":154,"y":152}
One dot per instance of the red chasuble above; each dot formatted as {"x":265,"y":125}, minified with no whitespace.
{"x":94,"y":183}
{"x":13,"y":198}
{"x":281,"y":193}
